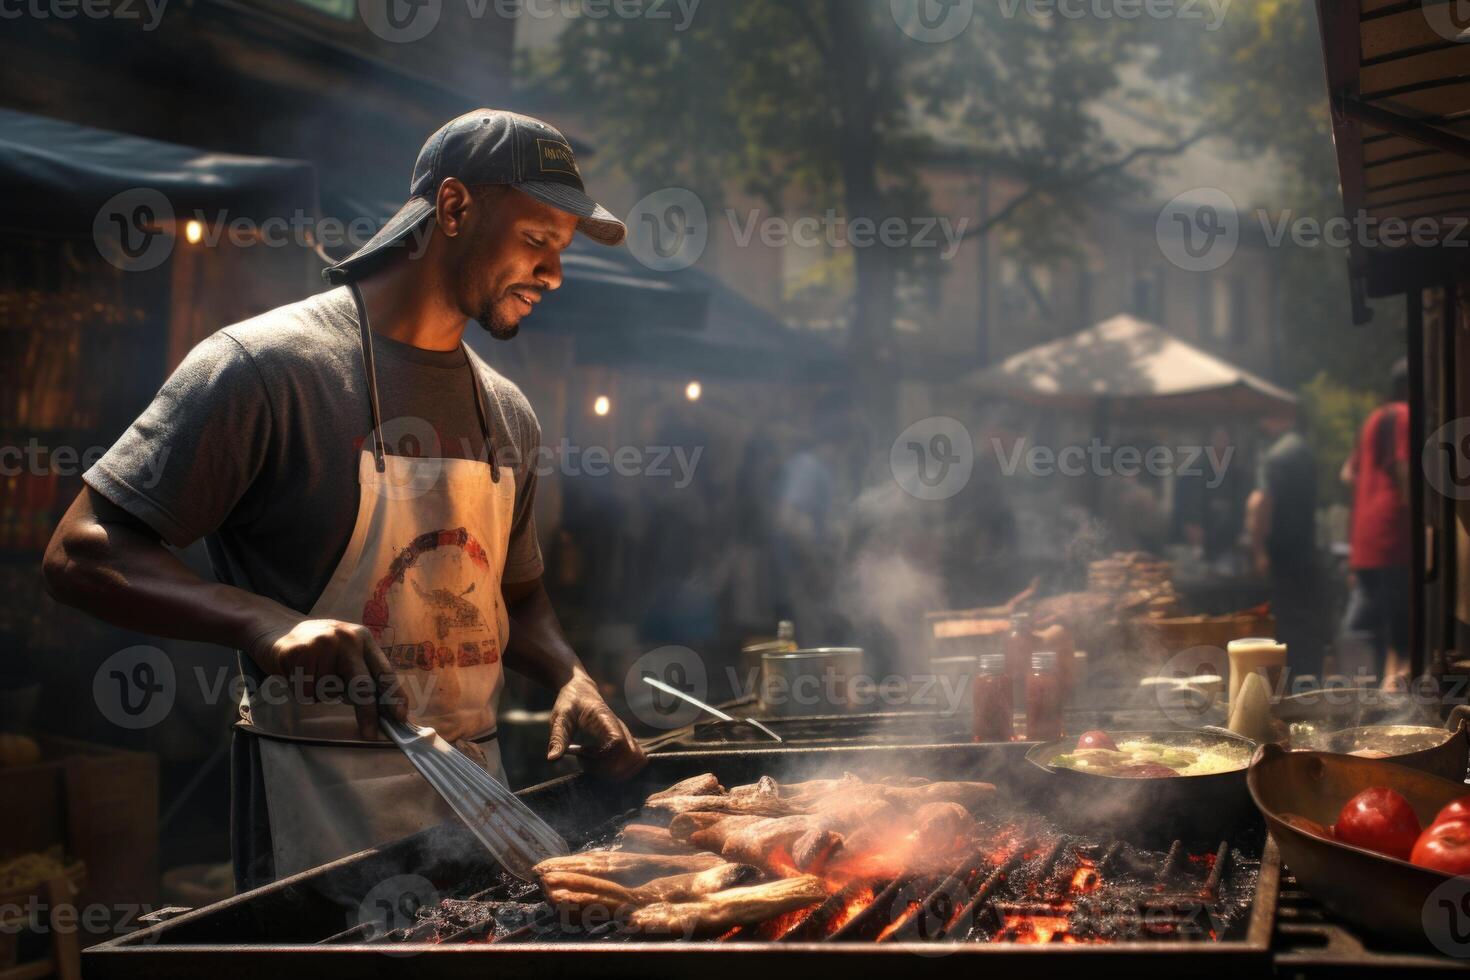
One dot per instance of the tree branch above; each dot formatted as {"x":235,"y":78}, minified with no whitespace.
{"x":1113,"y":166}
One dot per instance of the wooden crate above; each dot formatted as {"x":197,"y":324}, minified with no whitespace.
{"x":100,"y":804}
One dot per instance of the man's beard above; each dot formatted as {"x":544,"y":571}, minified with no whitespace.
{"x":497,"y":327}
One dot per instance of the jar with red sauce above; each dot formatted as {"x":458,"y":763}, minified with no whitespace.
{"x":1043,"y":698}
{"x":1020,"y":644}
{"x":992,"y":699}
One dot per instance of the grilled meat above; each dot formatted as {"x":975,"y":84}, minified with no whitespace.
{"x":722,"y":911}
{"x":645,"y":838}
{"x":625,"y":867}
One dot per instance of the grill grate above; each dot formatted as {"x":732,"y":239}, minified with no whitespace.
{"x":1025,"y":885}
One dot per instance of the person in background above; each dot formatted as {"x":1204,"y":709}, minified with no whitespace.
{"x":1378,"y":540}
{"x":1281,"y":527}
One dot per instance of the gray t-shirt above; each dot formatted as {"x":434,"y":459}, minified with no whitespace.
{"x":253,"y":444}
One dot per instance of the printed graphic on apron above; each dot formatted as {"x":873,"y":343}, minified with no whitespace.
{"x":423,"y":611}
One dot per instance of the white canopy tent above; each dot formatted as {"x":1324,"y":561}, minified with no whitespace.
{"x":1131,"y":365}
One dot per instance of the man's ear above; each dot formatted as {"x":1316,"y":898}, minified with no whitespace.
{"x":451,"y":203}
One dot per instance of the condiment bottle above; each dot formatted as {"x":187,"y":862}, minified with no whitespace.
{"x":1043,"y":698}
{"x":992,"y":700}
{"x":1020,"y":644}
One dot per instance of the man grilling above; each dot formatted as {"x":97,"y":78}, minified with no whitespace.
{"x":364,"y":485}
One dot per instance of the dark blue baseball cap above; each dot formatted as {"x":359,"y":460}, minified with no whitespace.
{"x":489,"y":146}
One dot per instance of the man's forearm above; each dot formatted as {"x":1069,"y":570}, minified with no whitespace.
{"x":101,"y":562}
{"x":537,"y":647}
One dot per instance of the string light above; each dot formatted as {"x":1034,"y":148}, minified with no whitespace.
{"x":693,"y":390}
{"x":193,"y":232}
{"x":601,"y":405}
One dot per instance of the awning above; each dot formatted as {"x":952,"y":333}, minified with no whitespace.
{"x":688,"y":322}
{"x":58,"y":175}
{"x":1133,"y":365}
{"x":1398,"y":77}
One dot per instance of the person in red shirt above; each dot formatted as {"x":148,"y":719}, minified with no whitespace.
{"x":1378,"y":472}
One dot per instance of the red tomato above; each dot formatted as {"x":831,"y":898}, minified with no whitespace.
{"x":1306,"y":825}
{"x":1458,"y":810}
{"x":1096,"y":740}
{"x":1144,"y":770}
{"x":1378,"y":819}
{"x":1444,"y":847}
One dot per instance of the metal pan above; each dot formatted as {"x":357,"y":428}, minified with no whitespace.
{"x":1383,"y":895}
{"x":1443,"y":752}
{"x":1163,"y":808}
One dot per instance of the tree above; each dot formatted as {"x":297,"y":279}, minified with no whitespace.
{"x":832,"y":99}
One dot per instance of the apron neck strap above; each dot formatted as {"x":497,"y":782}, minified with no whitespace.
{"x":370,"y":370}
{"x":372,"y":374}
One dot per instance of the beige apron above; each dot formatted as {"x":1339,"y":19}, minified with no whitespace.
{"x":422,"y":572}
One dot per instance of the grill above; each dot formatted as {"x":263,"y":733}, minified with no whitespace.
{"x":433,"y":906}
{"x":1031,"y":899}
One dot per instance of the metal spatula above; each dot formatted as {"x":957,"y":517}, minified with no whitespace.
{"x":509,"y":829}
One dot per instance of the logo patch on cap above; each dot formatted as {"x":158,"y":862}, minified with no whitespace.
{"x":556,"y":157}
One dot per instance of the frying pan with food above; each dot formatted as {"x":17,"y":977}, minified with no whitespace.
{"x":1152,"y":809}
{"x":1442,"y":752}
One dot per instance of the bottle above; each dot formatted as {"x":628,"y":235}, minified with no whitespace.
{"x":1043,"y":698}
{"x":1020,"y":644}
{"x":786,"y":635}
{"x":991,"y":697}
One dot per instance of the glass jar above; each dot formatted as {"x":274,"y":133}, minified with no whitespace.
{"x":1043,"y":698}
{"x":992,"y":699}
{"x":1020,"y":644}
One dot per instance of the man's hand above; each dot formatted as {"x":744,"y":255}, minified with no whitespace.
{"x":609,"y":749}
{"x":331,"y":661}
